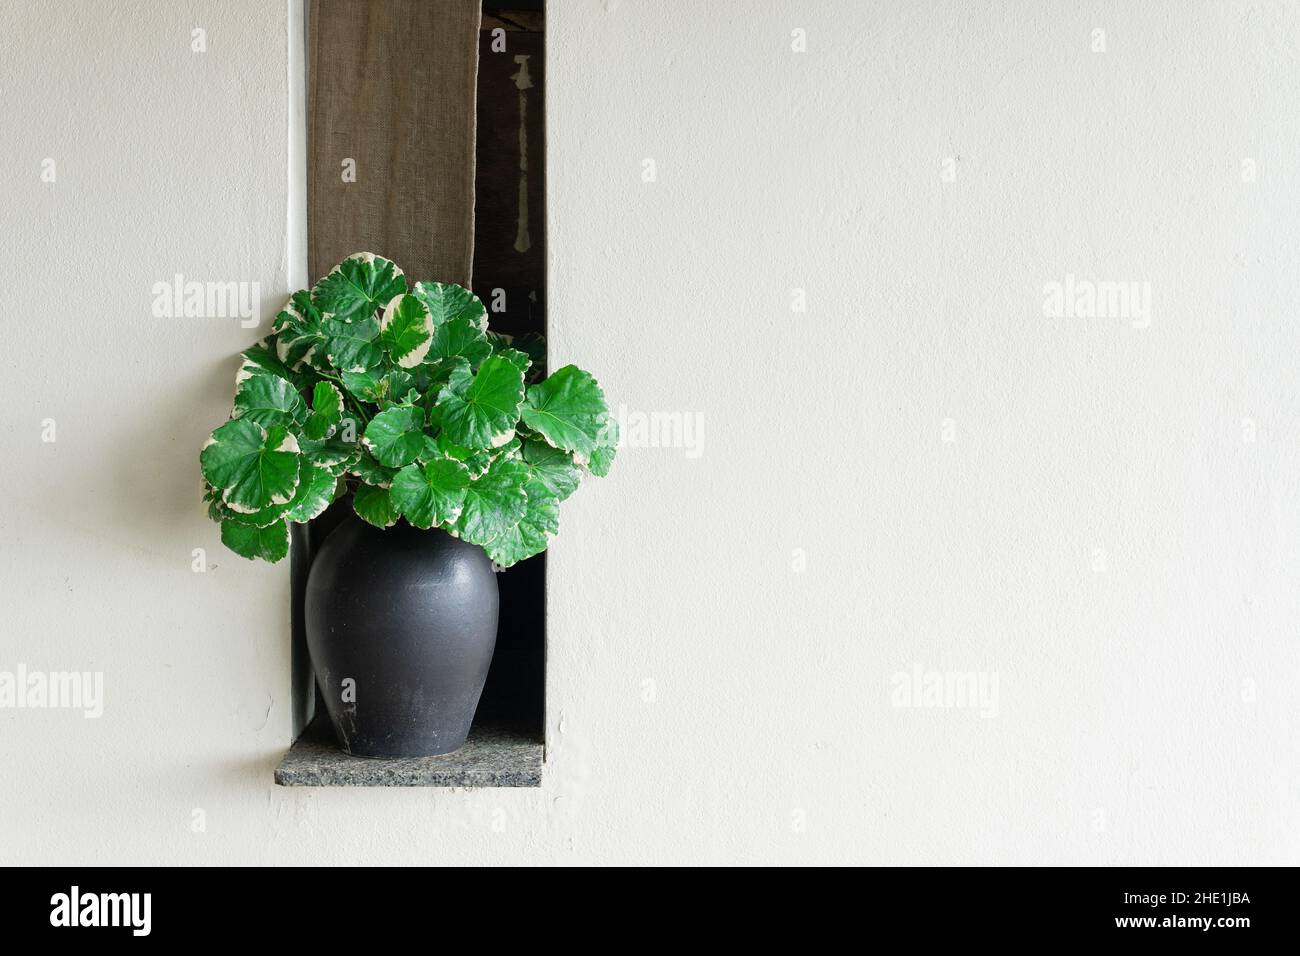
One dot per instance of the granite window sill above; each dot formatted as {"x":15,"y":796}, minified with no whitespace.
{"x":494,"y":756}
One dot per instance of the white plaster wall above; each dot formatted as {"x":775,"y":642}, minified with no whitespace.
{"x":1098,"y":535}
{"x":167,"y":161}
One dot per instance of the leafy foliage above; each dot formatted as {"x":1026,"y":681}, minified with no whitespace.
{"x":401,"y":397}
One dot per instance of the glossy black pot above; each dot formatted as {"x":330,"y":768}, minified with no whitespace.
{"x":401,"y":625}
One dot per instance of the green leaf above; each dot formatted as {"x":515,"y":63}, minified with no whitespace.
{"x":212,"y":497}
{"x":495,"y":502}
{"x":567,"y":409}
{"x":513,"y":449}
{"x":430,"y":379}
{"x":315,"y":493}
{"x":447,"y":302}
{"x":481,"y":411}
{"x":268,"y":400}
{"x":435,"y":372}
{"x":357,"y":286}
{"x":533,"y":345}
{"x":476,"y":460}
{"x":270,"y":543}
{"x":530,"y":535}
{"x":377,"y":388}
{"x":219,"y":511}
{"x":331,"y":454}
{"x":552,"y":468}
{"x":406,"y":330}
{"x":431,"y":494}
{"x":459,"y":338}
{"x":602,"y":458}
{"x":374,"y":506}
{"x":353,"y":346}
{"x":326,"y":411}
{"x":260,"y":359}
{"x":371,"y":471}
{"x":300,"y":333}
{"x":432,"y":451}
{"x":518,"y":359}
{"x":254,"y":467}
{"x":396,"y":435}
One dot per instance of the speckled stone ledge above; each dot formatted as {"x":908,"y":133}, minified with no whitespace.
{"x":492,"y":757}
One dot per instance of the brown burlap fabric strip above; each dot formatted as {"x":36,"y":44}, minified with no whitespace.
{"x":392,"y":88}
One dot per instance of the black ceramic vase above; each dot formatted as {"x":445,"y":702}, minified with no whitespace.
{"x":401,"y":625}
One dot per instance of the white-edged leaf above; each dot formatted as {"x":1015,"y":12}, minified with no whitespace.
{"x":331,"y":454}
{"x":533,"y":345}
{"x":300,"y":335}
{"x":459,"y":338}
{"x":406,"y":330}
{"x":270,"y":543}
{"x":517,"y":358}
{"x":261,"y":359}
{"x":530,"y":535}
{"x":494,"y":502}
{"x":371,"y":472}
{"x":326,"y":411}
{"x":432,"y":493}
{"x":476,"y":460}
{"x":218,"y":510}
{"x":602,"y":456}
{"x":314,"y":494}
{"x":552,"y":468}
{"x":353,"y":346}
{"x":254,"y":467}
{"x":447,"y":301}
{"x":396,"y":435}
{"x":567,"y":409}
{"x":481,"y":410}
{"x":376,"y":386}
{"x":268,"y":400}
{"x":374,"y":506}
{"x":357,"y":286}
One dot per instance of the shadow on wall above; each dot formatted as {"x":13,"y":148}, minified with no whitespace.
{"x":153,"y":484}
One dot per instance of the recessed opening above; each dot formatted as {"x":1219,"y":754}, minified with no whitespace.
{"x":510,"y":278}
{"x":509,"y":275}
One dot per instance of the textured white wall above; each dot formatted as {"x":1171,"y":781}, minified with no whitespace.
{"x":1146,"y":713}
{"x":167,"y":161}
{"x":1098,"y":535}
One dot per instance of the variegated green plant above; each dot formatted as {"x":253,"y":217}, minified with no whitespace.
{"x":400,"y":396}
